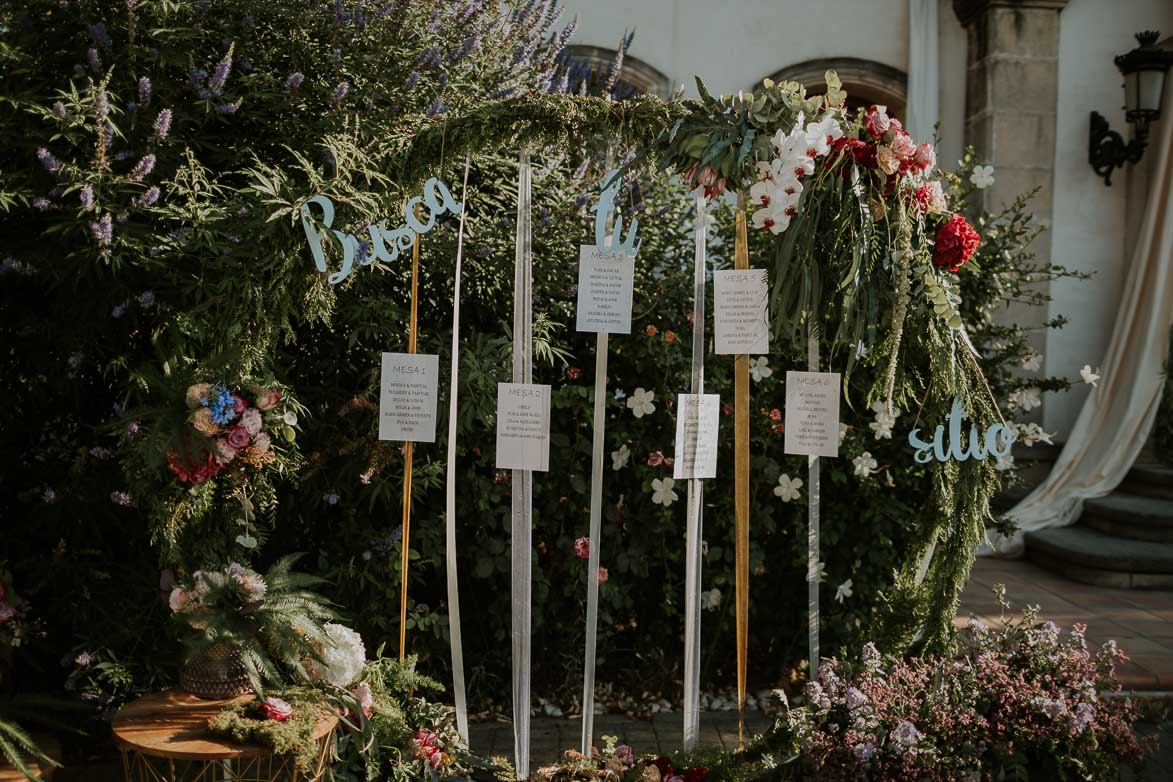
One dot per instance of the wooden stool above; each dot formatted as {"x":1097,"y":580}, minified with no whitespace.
{"x":164,"y":737}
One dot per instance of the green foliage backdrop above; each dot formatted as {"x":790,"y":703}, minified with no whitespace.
{"x":115,"y":296}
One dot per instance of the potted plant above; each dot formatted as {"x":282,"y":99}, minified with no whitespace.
{"x":243,"y":630}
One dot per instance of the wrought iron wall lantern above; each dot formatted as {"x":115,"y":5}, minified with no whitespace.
{"x":1144,"y":70}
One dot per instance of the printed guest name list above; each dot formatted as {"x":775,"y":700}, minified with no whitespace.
{"x":407,"y":399}
{"x":523,"y":427}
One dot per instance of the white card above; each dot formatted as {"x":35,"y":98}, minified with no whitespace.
{"x":697,"y":417}
{"x":812,"y":413}
{"x":407,"y":397}
{"x":523,"y":427}
{"x":604,"y":290}
{"x":740,"y":298}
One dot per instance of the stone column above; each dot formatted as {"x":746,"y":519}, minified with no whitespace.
{"x":1012,"y":84}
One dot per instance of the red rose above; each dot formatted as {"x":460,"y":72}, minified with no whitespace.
{"x":863,"y":153}
{"x":193,"y":472}
{"x":237,"y":437}
{"x":697,"y":773}
{"x":239,"y":405}
{"x":664,"y":765}
{"x":954,"y":244}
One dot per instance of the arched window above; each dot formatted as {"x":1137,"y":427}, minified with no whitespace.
{"x":867,"y":82}
{"x":635,"y":78}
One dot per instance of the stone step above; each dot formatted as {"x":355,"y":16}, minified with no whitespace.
{"x":1149,"y":480}
{"x":1087,"y":555}
{"x":1131,"y":516}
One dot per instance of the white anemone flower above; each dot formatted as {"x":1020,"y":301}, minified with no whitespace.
{"x":982,"y":177}
{"x":1089,"y":377}
{"x":864,"y":464}
{"x":788,"y":488}
{"x":662,"y":493}
{"x":640,"y":402}
{"x":620,"y":457}
{"x":759,"y":368}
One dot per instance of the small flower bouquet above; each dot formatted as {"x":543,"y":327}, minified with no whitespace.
{"x":228,"y":432}
{"x":205,"y":470}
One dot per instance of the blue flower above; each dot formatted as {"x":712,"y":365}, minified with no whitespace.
{"x":221,"y":404}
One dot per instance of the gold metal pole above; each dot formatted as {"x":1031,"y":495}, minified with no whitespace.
{"x":407,"y":458}
{"x":741,"y":486}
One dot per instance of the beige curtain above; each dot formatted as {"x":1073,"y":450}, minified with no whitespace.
{"x":1117,"y":416}
{"x":924,"y":71}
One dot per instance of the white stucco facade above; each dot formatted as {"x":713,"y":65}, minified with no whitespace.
{"x":734,"y":44}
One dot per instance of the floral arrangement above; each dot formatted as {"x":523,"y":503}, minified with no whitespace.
{"x":224,"y":449}
{"x":276,"y":621}
{"x":388,"y":729}
{"x":617,"y":763}
{"x":230,"y":432}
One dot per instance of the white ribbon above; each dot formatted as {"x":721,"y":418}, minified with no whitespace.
{"x":450,"y":502}
{"x":522,"y":511}
{"x":592,"y":617}
{"x":812,"y":532}
{"x":695,"y":505}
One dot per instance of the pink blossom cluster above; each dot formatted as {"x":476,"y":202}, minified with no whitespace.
{"x":1028,"y":695}
{"x":426,"y":745}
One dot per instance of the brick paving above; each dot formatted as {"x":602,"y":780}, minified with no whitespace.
{"x":1140,"y":621}
{"x":551,"y":736}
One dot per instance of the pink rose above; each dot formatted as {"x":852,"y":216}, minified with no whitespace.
{"x":926,"y":156}
{"x":178,"y":600}
{"x":582,"y":548}
{"x":267,"y":398}
{"x":877,"y":121}
{"x":366,"y":700}
{"x":224,"y":452}
{"x":276,"y":709}
{"x":903,"y":146}
{"x":602,"y":575}
{"x":239,"y":405}
{"x":237,"y":437}
{"x":251,"y":420}
{"x":655,"y":458}
{"x":435,"y":757}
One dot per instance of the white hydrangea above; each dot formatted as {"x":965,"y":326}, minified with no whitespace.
{"x":345,"y":659}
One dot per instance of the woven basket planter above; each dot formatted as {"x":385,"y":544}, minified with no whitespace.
{"x":216,"y":673}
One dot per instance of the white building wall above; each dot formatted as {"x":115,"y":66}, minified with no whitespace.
{"x":1090,"y":220}
{"x":733,"y":44}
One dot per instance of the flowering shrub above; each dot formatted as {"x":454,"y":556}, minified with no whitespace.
{"x":1026,"y":700}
